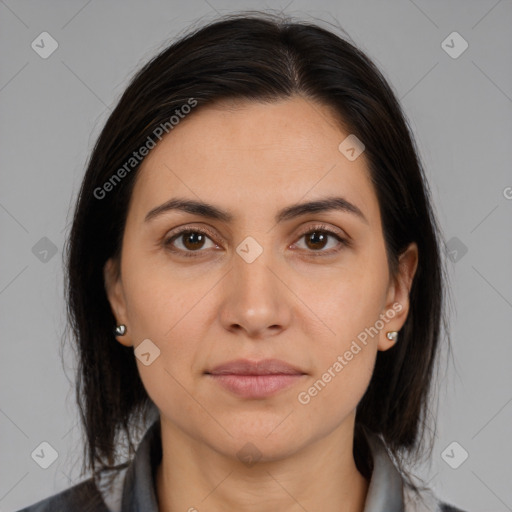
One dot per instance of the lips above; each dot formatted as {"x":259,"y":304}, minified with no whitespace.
{"x":260,"y":379}
{"x":263,"y":367}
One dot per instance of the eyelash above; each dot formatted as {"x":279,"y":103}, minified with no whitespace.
{"x":318,"y":228}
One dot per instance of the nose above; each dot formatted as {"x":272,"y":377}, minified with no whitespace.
{"x":256,"y":300}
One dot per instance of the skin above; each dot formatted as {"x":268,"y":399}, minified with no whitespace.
{"x":253,"y":159}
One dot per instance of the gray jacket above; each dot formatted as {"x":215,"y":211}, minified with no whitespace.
{"x":133,"y":489}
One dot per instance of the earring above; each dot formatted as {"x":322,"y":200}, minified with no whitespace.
{"x":120,"y":330}
{"x":392,"y":335}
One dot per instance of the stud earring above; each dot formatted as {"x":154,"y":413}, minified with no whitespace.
{"x":392,"y":335}
{"x":120,"y":330}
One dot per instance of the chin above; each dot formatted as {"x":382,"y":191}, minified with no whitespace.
{"x":258,"y":444}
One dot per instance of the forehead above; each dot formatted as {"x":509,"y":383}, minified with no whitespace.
{"x":248,"y":156}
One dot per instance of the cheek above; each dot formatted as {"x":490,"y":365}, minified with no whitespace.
{"x":343,"y":369}
{"x":347,"y":303}
{"x":334,"y":391}
{"x":163,"y":308}
{"x":156,"y":296}
{"x":346,"y":343}
{"x":171,"y":309}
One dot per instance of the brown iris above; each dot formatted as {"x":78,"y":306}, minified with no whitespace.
{"x":314,"y":238}
{"x":193,"y":240}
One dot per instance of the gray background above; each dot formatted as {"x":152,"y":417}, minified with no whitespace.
{"x":460,"y":110}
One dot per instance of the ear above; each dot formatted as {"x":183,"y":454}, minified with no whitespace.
{"x":397,"y":300}
{"x":115,"y":295}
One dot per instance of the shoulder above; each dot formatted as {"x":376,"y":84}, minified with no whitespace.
{"x":424,"y":500}
{"x":82,"y":497}
{"x":445,"y":507}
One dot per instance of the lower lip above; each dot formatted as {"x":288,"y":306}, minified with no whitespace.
{"x":256,"y":386}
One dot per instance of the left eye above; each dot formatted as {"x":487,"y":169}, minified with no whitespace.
{"x":317,"y":239}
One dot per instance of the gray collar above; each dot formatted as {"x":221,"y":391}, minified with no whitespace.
{"x":134,"y":488}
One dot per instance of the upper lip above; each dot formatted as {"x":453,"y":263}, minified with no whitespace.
{"x":263,"y":367}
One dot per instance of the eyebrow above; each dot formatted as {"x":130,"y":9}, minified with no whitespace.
{"x":210,"y":211}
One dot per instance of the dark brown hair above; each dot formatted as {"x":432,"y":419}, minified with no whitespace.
{"x":262,"y":58}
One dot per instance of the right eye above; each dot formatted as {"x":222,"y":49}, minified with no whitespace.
{"x":192,"y":240}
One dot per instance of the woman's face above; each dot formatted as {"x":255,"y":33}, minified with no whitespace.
{"x":251,"y":283}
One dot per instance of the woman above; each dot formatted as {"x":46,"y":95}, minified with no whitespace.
{"x":254,"y":273}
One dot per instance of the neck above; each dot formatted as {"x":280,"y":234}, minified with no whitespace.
{"x":194,"y":477}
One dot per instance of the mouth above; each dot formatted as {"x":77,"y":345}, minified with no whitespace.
{"x":260,"y":379}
